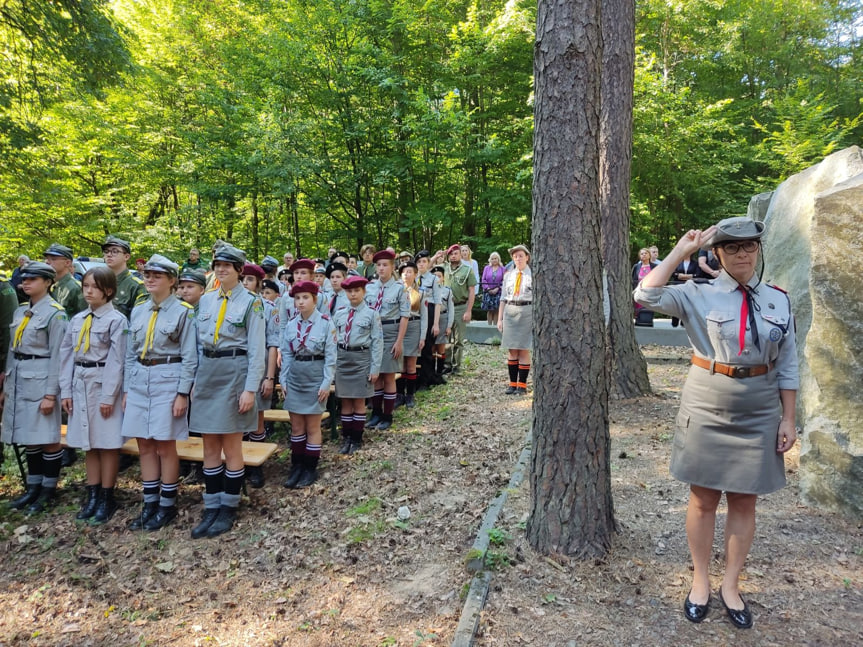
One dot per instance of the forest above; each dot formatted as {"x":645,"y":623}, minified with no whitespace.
{"x":298,"y":124}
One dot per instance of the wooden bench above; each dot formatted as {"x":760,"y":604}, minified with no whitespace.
{"x":280,"y":415}
{"x":192,"y":449}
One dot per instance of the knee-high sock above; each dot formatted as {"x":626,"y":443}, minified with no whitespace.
{"x":512,"y":365}
{"x":51,"y":464}
{"x":523,"y":370}
{"x":233,"y":486}
{"x":214,"y":485}
{"x":298,"y":445}
{"x":168,"y":495}
{"x":378,"y":402}
{"x":410,"y":383}
{"x":389,"y":403}
{"x":35,"y":466}
{"x":151,"y":491}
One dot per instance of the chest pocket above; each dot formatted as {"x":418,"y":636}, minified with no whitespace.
{"x":170,"y":329}
{"x":236,"y":319}
{"x":777,"y":325}
{"x":721,"y":325}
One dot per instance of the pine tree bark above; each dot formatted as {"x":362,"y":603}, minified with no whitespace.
{"x":626,"y":366}
{"x":572,"y":511}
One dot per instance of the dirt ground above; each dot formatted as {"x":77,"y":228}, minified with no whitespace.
{"x":336,"y":565}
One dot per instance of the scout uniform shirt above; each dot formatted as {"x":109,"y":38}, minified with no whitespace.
{"x":430,"y":287}
{"x":287,"y":311}
{"x":335,"y":301}
{"x":389,"y":300}
{"x":130,"y":292}
{"x":365,"y":331}
{"x":711,"y":312}
{"x":312,"y":337}
{"x":515,"y":290}
{"x":8,"y":306}
{"x":243,"y":327}
{"x":32,"y":372}
{"x":67,"y":292}
{"x":459,"y":280}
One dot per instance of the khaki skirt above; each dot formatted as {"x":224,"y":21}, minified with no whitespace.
{"x":411,"y":344}
{"x":216,"y":399}
{"x":726,"y":433}
{"x":517,"y":327}
{"x":302,"y":385}
{"x":352,"y":374}
{"x":388,"y":364}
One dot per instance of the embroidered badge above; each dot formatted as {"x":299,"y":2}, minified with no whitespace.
{"x":775,"y":334}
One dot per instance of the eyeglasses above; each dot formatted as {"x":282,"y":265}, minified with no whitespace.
{"x":113,"y":251}
{"x":748,"y":246}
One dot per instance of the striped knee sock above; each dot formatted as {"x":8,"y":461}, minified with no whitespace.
{"x":168,"y":497}
{"x":523,"y":370}
{"x":389,"y":403}
{"x":151,"y":491}
{"x":51,"y":464}
{"x":512,"y":366}
{"x":35,"y":466}
{"x":233,"y":486}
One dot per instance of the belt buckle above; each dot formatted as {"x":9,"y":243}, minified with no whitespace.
{"x":742,"y":371}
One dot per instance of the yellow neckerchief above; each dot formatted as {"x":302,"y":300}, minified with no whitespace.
{"x":517,"y":284}
{"x":151,"y":331}
{"x":85,"y":330}
{"x":414,"y":296}
{"x":19,"y":331}
{"x":222,"y":308}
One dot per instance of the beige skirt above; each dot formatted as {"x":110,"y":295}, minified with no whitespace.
{"x":726,"y":432}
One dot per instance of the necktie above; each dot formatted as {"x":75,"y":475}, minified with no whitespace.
{"x":19,"y":331}
{"x":85,"y":333}
{"x":380,"y":299}
{"x":517,"y":284}
{"x":221,"y":318}
{"x":747,"y":315}
{"x":348,"y":326}
{"x":151,"y":332}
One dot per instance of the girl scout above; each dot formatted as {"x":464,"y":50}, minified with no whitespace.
{"x":388,"y":298}
{"x":31,"y":413}
{"x":415,"y":333}
{"x":308,"y":363}
{"x":92,"y":358}
{"x":360,"y":349}
{"x":232,"y":334}
{"x":515,"y":319}
{"x":447,"y":317}
{"x":161,"y":358}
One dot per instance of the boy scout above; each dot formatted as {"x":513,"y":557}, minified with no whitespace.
{"x":459,"y":278}
{"x":66,"y":289}
{"x":130,"y":289}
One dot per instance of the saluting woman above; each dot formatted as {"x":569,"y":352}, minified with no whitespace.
{"x":93,"y":357}
{"x":161,"y":358}
{"x":31,"y":413}
{"x":308,"y":365}
{"x":232,"y":334}
{"x":737,"y":408}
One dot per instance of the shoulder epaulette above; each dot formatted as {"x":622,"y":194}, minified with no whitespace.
{"x":325,"y":317}
{"x":136,"y":279}
{"x":188,"y":305}
{"x":212,"y":289}
{"x":776,"y":287}
{"x":701,"y":280}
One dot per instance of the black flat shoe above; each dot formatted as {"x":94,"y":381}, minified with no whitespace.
{"x":695,"y":612}
{"x":740,"y":618}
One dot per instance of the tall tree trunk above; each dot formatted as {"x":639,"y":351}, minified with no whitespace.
{"x":572,"y":511}
{"x":256,"y":241}
{"x":625,"y":363}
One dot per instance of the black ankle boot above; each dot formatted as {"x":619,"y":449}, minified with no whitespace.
{"x":164,"y":515}
{"x":346,"y":445}
{"x":147,"y":511}
{"x":223,"y":523}
{"x":310,"y":473}
{"x":207,"y":520}
{"x":255,"y":476}
{"x":43,"y":502}
{"x":296,"y":471}
{"x":88,"y":508}
{"x":106,"y":508}
{"x":29,"y":496}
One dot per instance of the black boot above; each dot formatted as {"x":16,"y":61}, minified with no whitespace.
{"x":164,"y":515}
{"x":375,"y":420}
{"x":29,"y":496}
{"x":106,"y":508}
{"x":207,"y":520}
{"x":150,"y":508}
{"x":70,"y":456}
{"x":386,"y":422}
{"x":255,"y":476}
{"x":223,"y":523}
{"x":43,"y":502}
{"x":310,"y":473}
{"x":296,"y":471}
{"x":88,"y":508}
{"x":356,"y":445}
{"x":346,"y":445}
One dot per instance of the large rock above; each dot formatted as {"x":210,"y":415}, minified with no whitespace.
{"x":812,"y":248}
{"x":758,"y":205}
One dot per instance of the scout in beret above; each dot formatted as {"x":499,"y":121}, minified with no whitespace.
{"x":360,"y":350}
{"x":31,"y":412}
{"x":308,"y":347}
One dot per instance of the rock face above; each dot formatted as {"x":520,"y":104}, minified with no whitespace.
{"x":812,"y":248}
{"x":758,"y":205}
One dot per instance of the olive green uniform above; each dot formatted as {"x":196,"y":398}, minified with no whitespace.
{"x":130,"y":291}
{"x":68,"y":293}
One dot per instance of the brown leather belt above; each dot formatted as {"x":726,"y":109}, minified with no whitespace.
{"x":730,"y":370}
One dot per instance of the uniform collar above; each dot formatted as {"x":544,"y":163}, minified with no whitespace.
{"x":101,"y":310}
{"x":729,"y":284}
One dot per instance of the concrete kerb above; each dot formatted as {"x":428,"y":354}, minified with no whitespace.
{"x":474,"y":603}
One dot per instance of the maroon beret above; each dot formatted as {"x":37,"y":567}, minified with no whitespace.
{"x":304,"y":286}
{"x":354,"y":282}
{"x":455,"y":247}
{"x":250,"y":269}
{"x":303,"y":264}
{"x":383,"y":255}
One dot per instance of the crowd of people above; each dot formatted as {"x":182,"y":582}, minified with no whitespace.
{"x":169,"y":350}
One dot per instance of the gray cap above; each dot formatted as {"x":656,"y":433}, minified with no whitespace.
{"x":230,"y":254}
{"x":113,"y":241}
{"x":738,"y":228}
{"x":269,"y":261}
{"x":519,"y":248}
{"x":59,"y":250}
{"x":37,"y":269}
{"x":159,"y":263}
{"x":196,"y":276}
